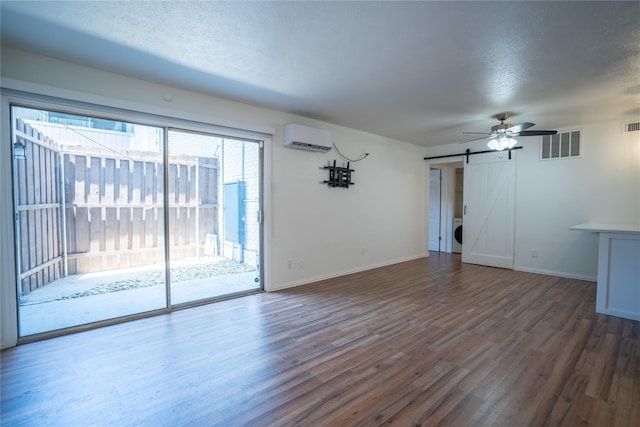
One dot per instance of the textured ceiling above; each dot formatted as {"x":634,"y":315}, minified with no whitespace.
{"x":421,"y":72}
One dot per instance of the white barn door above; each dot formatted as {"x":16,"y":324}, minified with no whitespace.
{"x":489,"y":209}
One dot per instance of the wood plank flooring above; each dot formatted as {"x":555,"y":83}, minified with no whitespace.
{"x":426,"y":342}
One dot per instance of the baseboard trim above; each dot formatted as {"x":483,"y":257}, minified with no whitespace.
{"x":360,"y":269}
{"x":556,"y":273}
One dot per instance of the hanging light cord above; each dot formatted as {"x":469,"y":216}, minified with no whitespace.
{"x":348,"y":159}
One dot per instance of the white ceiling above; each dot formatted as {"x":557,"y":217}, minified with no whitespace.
{"x":421,"y":72}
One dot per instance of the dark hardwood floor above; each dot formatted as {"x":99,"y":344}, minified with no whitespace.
{"x":426,"y":342}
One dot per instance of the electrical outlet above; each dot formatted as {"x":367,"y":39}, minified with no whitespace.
{"x":289,"y":264}
{"x":363,"y":251}
{"x":534,"y":253}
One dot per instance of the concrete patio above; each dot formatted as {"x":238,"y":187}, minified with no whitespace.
{"x":58,"y":305}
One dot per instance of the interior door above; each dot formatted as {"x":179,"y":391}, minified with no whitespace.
{"x":434,"y":209}
{"x":489,"y":209}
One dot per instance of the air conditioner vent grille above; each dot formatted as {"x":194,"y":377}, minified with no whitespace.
{"x":632,"y":127}
{"x":560,"y":146}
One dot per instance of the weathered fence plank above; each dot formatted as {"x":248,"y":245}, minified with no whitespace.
{"x":109,"y":181}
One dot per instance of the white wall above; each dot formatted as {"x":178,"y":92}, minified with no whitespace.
{"x":603,"y":185}
{"x":324,"y":231}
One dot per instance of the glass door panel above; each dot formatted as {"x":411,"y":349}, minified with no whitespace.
{"x":89,"y":218}
{"x":214,"y":232}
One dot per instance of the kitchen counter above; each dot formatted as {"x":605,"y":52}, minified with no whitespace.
{"x":618,"y":289}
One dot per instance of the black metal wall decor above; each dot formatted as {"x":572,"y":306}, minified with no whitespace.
{"x":339,"y":176}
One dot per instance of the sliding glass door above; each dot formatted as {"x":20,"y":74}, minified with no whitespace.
{"x":110,"y":225}
{"x":214,"y":201}
{"x":89,"y":202}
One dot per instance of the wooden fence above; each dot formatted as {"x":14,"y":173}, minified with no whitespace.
{"x":109,"y":214}
{"x":38,"y":210}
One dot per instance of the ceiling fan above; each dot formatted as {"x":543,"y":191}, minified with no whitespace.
{"x":502,"y":136}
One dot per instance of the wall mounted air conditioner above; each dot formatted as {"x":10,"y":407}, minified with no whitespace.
{"x":306,"y":138}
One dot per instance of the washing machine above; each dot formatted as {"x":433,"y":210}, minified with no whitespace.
{"x":457,"y":235}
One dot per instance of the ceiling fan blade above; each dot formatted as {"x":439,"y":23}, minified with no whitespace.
{"x":478,"y":133}
{"x":476,"y":139}
{"x":538,"y":132}
{"x":520,"y":127}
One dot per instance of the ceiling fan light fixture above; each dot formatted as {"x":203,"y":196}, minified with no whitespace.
{"x":504,"y":142}
{"x":507,"y":142}
{"x":494,"y":144}
{"x":502,"y":135}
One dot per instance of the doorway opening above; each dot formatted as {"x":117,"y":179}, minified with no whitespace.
{"x":446,"y":191}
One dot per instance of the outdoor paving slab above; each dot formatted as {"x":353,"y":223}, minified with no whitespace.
{"x":50,"y":308}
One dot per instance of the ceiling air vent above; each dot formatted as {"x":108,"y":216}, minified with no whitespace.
{"x":632,"y":127}
{"x":560,"y":146}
